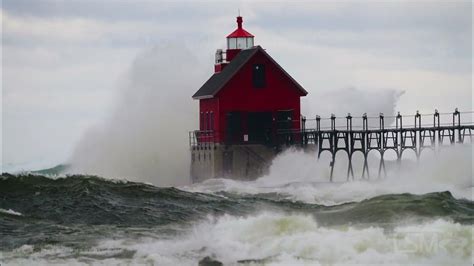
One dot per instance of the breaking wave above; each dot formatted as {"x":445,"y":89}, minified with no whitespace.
{"x":87,"y":219}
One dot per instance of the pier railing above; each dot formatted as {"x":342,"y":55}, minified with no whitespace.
{"x":361,"y":134}
{"x":203,"y":139}
{"x":394,"y":133}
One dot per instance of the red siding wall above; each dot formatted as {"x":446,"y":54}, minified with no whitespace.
{"x":206,"y":107}
{"x":239,"y":95}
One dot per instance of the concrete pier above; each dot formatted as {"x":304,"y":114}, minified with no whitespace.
{"x":241,"y":161}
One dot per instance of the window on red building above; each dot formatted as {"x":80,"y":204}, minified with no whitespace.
{"x":258,"y":76}
{"x":211,"y":121}
{"x":201,"y":122}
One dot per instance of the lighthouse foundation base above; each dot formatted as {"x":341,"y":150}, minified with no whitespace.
{"x":241,"y":162}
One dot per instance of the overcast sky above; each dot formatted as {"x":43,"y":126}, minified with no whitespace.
{"x":63,"y":61}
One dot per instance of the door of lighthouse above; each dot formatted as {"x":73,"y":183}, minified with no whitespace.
{"x":284,"y":124}
{"x":260,"y":127}
{"x":233,"y":132}
{"x":284,"y":119}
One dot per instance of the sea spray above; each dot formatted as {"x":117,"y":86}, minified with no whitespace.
{"x":145,"y":138}
{"x":301,"y":176}
{"x":357,"y":101}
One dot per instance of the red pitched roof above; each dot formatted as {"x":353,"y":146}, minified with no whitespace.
{"x":217,"y":81}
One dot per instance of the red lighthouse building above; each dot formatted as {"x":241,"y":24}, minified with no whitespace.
{"x":242,"y":107}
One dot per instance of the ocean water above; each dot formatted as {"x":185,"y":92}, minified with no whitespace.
{"x":81,"y":220}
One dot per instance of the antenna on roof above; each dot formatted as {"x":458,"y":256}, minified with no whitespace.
{"x":239,"y":11}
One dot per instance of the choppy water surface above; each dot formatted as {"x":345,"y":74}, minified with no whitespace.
{"x":84,"y":220}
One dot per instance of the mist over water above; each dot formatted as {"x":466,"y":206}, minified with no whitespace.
{"x":146,"y":136}
{"x":324,"y":102}
{"x":298,"y":175}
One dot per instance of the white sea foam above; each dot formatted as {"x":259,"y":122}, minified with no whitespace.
{"x":300,"y":176}
{"x":277,"y":239}
{"x":10,"y":211}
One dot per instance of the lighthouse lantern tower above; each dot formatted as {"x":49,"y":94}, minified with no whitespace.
{"x":238,"y":40}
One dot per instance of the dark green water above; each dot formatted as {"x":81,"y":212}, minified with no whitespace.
{"x":77,"y":212}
